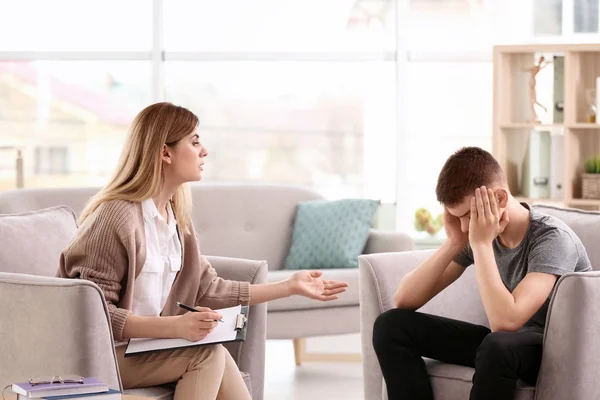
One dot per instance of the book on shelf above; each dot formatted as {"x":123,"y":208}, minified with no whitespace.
{"x":27,"y":390}
{"x":557,"y":166}
{"x":558,"y":89}
{"x":536,"y":168}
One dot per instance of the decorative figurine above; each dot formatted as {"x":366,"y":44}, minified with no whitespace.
{"x":533,"y":71}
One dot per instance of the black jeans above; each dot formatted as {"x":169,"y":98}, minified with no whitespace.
{"x":402,"y":337}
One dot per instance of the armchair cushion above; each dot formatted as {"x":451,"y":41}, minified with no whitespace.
{"x":32,"y":241}
{"x":454,"y":382}
{"x":330,"y":234}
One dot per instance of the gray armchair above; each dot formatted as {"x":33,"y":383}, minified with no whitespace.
{"x":571,"y":348}
{"x":51,"y":326}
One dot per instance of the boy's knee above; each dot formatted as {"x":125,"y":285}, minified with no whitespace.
{"x":388,"y":327}
{"x":495,"y":347}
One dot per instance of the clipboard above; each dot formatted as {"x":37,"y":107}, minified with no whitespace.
{"x":236,"y":320}
{"x":241,"y":324}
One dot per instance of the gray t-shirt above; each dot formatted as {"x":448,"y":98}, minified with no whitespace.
{"x":549,"y":246}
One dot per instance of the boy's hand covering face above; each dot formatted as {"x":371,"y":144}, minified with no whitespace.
{"x":487,"y":222}
{"x":454,"y":232}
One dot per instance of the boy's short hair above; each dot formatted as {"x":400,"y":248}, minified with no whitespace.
{"x":464,"y":171}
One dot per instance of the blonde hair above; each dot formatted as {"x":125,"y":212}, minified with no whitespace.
{"x":139,"y":173}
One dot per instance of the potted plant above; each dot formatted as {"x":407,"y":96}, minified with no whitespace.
{"x":591,"y":179}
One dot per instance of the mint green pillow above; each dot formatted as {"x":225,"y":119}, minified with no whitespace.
{"x":330,"y":234}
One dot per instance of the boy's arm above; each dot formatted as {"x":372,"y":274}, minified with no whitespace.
{"x":436,"y":273}
{"x":428,"y":279}
{"x":508,"y":311}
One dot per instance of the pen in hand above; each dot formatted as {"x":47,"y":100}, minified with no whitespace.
{"x":192,"y":309}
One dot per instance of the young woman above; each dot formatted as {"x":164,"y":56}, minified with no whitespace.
{"x":137,"y":243}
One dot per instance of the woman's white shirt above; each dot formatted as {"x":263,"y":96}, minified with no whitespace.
{"x":163,"y":261}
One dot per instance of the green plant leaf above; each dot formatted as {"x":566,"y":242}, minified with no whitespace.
{"x":592,"y":165}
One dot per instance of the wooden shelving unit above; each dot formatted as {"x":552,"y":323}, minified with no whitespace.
{"x":528,"y":125}
{"x":512,"y":119}
{"x":583,"y":125}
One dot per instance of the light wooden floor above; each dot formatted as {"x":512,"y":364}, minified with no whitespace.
{"x":310,"y":381}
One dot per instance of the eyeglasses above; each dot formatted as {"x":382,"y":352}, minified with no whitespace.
{"x":56,"y":379}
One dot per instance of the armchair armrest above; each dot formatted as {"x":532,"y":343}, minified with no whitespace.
{"x":387,"y":242}
{"x":249,"y":355}
{"x":379,"y":276}
{"x":571,"y":351}
{"x":52,"y":326}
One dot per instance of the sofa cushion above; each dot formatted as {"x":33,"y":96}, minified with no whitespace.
{"x":348,"y":298}
{"x":33,"y":241}
{"x":585,"y":224}
{"x":453,"y":382}
{"x":330,"y":234}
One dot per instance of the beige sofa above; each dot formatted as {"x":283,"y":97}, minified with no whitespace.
{"x":252,"y":222}
{"x":571,"y":343}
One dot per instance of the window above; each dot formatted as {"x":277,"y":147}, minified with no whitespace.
{"x":77,"y":105}
{"x":306,"y":123}
{"x":51,"y":160}
{"x":463,"y":26}
{"x":289,"y":91}
{"x":60,"y":25}
{"x":8,"y":167}
{"x":548,"y":17}
{"x":444,"y":114}
{"x":585,"y":16}
{"x":286,"y":26}
{"x":571,"y":19}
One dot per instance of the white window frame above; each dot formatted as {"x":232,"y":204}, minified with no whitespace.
{"x":568,"y":24}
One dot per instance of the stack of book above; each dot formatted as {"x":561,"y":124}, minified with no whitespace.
{"x":90,"y":388}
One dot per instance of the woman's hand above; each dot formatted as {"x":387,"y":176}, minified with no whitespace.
{"x":310,"y":284}
{"x":195,"y":326}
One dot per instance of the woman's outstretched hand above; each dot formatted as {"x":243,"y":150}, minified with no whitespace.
{"x":310,"y":284}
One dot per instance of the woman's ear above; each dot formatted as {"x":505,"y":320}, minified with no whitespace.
{"x":502,"y":197}
{"x":166,"y":154}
